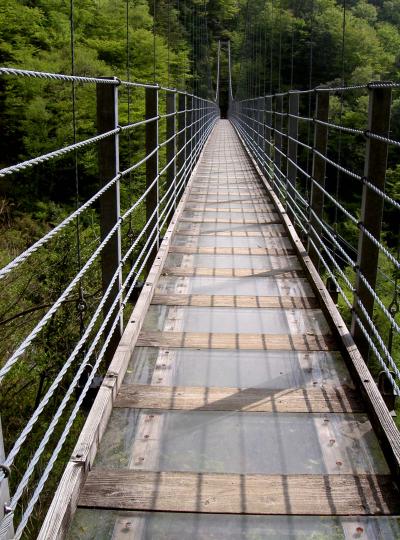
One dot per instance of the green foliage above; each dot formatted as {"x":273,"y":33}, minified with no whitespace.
{"x":37,"y":118}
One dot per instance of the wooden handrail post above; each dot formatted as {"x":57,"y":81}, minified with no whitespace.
{"x":375,"y":166}
{"x":181,"y":159}
{"x":171,"y":145}
{"x":318,"y":174}
{"x":152,"y":197}
{"x":278,"y":141}
{"x":268,"y":133}
{"x":108,"y":160}
{"x":189,"y":136}
{"x":293,"y":132}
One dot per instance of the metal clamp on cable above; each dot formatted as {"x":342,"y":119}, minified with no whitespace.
{"x":81,"y":305}
{"x":5,"y":469}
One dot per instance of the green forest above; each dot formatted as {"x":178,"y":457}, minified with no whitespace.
{"x":276,"y":45}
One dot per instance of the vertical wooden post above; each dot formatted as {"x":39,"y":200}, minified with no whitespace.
{"x":278,"y":141}
{"x":152,"y":170}
{"x":171,"y":145}
{"x":264,"y":144}
{"x":268,"y":132}
{"x":189,"y":137}
{"x":108,"y":159}
{"x":318,"y":173}
{"x":371,"y":209}
{"x":293,"y":131}
{"x":260,"y":126}
{"x":181,"y":161}
{"x":4,"y":491}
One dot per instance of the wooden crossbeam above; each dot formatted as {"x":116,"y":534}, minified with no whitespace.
{"x":231,"y":250}
{"x":189,"y":271}
{"x":203,"y":208}
{"x":290,"y":400}
{"x":278,"y":342}
{"x":270,"y":219}
{"x":237,"y":234}
{"x":203,"y":300}
{"x":317,"y":495}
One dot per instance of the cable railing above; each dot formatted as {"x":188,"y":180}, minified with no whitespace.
{"x":335,"y":193}
{"x":176,"y":126}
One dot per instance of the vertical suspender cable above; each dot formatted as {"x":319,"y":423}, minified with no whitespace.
{"x":280,"y":47}
{"x":271,"y":71}
{"x":339,"y":153}
{"x":154,"y":41}
{"x":207,"y":53}
{"x":310,"y":85}
{"x":218,"y":68}
{"x":81,"y":302}
{"x":130,"y":233}
{"x":168,"y":41}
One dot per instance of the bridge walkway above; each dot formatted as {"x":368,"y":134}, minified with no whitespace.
{"x":237,"y":416}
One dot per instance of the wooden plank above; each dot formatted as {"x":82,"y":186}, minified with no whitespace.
{"x":380,"y":417}
{"x":278,"y":342}
{"x":252,"y":190}
{"x":231,"y":250}
{"x":237,"y":234}
{"x":204,"y":208}
{"x":290,"y":400}
{"x":204,"y":300}
{"x":273,"y":220}
{"x":186,"y":271}
{"x":317,"y":495}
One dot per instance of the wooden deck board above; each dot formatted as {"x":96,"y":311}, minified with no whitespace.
{"x":277,"y":342}
{"x":202,"y":300}
{"x":233,"y":234}
{"x":317,"y":495}
{"x":189,"y":271}
{"x":232,"y":250}
{"x":291,"y":400}
{"x":261,"y":221}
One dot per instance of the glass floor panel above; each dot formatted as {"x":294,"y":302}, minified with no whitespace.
{"x":232,"y":241}
{"x":255,"y":262}
{"x":241,"y":442}
{"x":235,"y":320}
{"x":91,"y":524}
{"x":248,"y":286}
{"x":224,"y":227}
{"x":237,"y":368}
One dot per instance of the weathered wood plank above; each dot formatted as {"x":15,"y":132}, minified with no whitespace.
{"x":188,"y":271}
{"x":280,"y":342}
{"x":291,"y":400}
{"x":240,"y":494}
{"x":232,"y":250}
{"x":205,"y":208}
{"x":253,"y":194}
{"x":203,"y":300}
{"x":236,"y":234}
{"x":262,"y":220}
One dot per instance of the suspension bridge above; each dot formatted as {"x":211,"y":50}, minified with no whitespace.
{"x":234,"y":400}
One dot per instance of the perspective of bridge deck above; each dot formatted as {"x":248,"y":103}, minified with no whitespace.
{"x":237,"y":416}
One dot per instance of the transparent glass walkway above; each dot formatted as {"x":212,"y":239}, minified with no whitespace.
{"x":237,"y":417}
